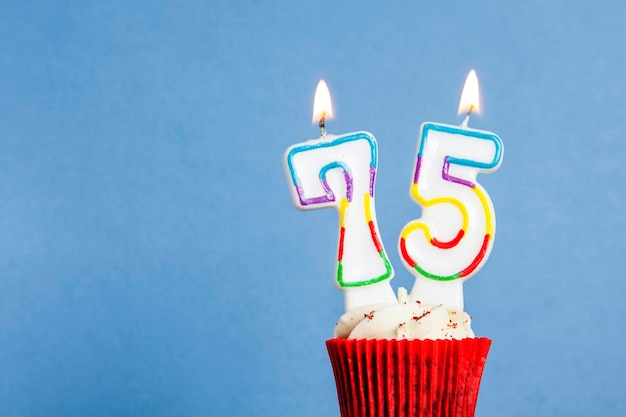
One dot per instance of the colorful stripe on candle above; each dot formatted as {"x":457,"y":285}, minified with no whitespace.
{"x":329,"y":196}
{"x":375,"y":240}
{"x":448,"y":245}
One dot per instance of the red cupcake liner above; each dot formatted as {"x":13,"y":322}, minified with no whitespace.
{"x":408,"y":378}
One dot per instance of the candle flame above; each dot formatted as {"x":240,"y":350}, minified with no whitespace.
{"x":470,"y":97}
{"x":322,"y":106}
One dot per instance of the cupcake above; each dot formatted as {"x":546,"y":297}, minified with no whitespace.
{"x":406,"y":359}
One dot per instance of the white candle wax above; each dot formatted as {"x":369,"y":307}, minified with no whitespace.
{"x":454,"y":236}
{"x":340,"y":172}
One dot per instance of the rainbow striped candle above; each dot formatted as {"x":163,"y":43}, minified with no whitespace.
{"x":454,"y":236}
{"x":339,"y":171}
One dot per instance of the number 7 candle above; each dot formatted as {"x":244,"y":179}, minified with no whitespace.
{"x":454,"y":236}
{"x":339,"y":171}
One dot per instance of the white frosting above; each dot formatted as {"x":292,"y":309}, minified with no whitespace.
{"x":404,"y":320}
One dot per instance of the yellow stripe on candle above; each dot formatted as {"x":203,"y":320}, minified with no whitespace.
{"x":368,"y":207}
{"x":439,"y":200}
{"x":343,"y":205}
{"x":488,"y":217}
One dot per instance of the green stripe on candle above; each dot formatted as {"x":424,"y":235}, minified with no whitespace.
{"x":387,"y":274}
{"x":437,"y":277}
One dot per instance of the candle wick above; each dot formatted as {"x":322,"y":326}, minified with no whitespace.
{"x":467,"y":116}
{"x":322,"y":124}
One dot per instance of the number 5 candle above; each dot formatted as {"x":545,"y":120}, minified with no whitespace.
{"x":339,"y":171}
{"x":454,"y":236}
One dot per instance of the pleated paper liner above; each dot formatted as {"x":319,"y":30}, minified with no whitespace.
{"x":408,"y":378}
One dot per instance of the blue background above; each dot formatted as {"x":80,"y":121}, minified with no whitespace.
{"x":151,"y":260}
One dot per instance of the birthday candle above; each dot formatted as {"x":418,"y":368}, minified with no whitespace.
{"x":339,"y":171}
{"x":454,"y":236}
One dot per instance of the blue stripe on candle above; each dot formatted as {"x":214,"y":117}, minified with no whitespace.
{"x":457,"y":130}
{"x":334,"y":142}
